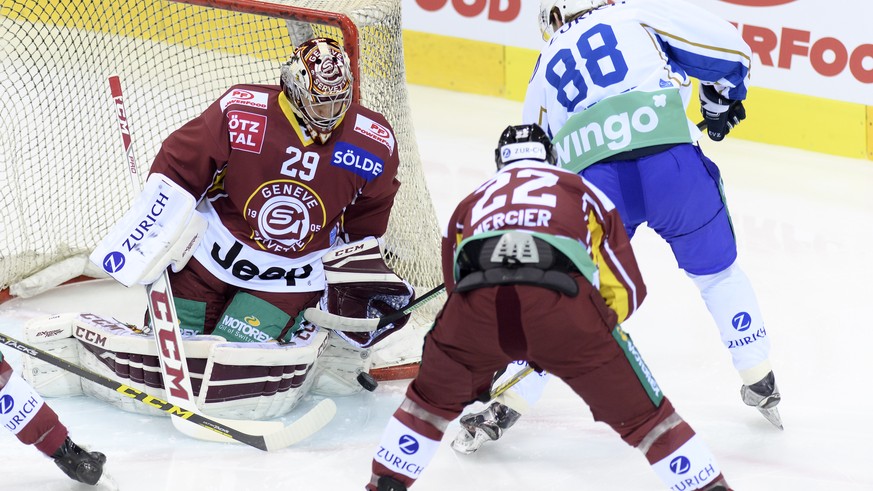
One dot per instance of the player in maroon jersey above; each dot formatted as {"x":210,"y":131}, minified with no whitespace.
{"x":24,"y":413}
{"x":271,"y":197}
{"x":539,"y":268}
{"x":283,"y":172}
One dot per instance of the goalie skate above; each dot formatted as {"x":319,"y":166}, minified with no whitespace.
{"x":484,"y":426}
{"x":764,"y":396}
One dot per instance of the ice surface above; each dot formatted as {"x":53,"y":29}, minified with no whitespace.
{"x":805,"y":225}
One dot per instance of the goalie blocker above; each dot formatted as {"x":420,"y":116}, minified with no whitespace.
{"x":161,"y":229}
{"x":361,"y":285}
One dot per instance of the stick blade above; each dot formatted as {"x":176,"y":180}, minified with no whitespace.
{"x":251,"y":427}
{"x":339,"y":323}
{"x":303,"y":427}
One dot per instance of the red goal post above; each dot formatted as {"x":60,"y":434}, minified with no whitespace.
{"x":63,"y":182}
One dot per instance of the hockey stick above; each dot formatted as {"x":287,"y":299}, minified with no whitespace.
{"x":165,"y":324}
{"x":356,"y":324}
{"x":301,"y":428}
{"x":516,"y":378}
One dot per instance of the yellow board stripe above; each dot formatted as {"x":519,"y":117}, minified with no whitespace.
{"x":775,"y":117}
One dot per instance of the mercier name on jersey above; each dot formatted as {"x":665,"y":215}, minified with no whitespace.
{"x":274,"y":198}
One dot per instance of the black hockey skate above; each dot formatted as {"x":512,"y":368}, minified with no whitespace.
{"x":78,"y":464}
{"x":483,"y":426}
{"x":764,"y":395}
{"x":386,"y":483}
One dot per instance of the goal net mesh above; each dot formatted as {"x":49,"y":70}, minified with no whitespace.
{"x":62,"y":167}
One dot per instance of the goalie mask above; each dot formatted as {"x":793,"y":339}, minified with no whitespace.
{"x":524,"y":142}
{"x":565,"y":10}
{"x":318,"y":82}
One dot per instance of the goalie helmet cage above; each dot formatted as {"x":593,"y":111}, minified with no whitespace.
{"x":61,"y":171}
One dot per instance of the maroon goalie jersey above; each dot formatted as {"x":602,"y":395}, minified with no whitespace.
{"x":537,"y":197}
{"x":275,"y":200}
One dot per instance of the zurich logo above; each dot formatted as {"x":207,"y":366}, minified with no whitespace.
{"x":742,"y":321}
{"x":113,"y":262}
{"x":506,"y":153}
{"x":680,"y":465}
{"x":408,"y":444}
{"x":7,"y":403}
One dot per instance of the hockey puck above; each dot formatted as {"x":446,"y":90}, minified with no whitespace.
{"x":367,"y":381}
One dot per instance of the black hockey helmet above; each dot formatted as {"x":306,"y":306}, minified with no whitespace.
{"x":524,"y":142}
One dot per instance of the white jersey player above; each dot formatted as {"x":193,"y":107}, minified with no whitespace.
{"x":610,"y":87}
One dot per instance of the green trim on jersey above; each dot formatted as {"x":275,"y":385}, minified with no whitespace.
{"x":619,"y":124}
{"x":636,"y":360}
{"x":575,"y":252}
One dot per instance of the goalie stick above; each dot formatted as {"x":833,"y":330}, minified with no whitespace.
{"x":301,"y":428}
{"x":356,"y":324}
{"x":165,"y":324}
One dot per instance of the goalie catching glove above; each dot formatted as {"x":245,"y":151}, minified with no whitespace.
{"x":720,"y":113}
{"x":161,"y":229}
{"x":360,"y":284}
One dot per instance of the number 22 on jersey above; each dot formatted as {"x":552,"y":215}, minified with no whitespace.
{"x":514,"y":196}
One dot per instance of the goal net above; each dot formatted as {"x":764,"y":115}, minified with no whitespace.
{"x":61,"y":162}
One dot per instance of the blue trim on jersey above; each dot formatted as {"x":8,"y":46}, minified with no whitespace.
{"x":709,"y":69}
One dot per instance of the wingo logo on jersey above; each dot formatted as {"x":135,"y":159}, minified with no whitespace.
{"x":357,"y":160}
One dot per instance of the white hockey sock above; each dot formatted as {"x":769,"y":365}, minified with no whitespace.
{"x":731,"y":301}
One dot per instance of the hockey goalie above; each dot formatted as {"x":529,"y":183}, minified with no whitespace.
{"x":272,"y":201}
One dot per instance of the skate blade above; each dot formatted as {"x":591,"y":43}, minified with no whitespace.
{"x":772,"y":415}
{"x":467,"y":444}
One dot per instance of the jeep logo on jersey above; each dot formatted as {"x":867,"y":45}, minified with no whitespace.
{"x":408,"y":444}
{"x":758,"y":3}
{"x":243,"y":97}
{"x":375,"y":131}
{"x":286,"y":214}
{"x":246,"y":131}
{"x":357,"y":160}
{"x":113,"y":262}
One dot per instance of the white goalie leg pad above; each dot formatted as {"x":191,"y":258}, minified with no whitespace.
{"x":161,"y":229}
{"x":54,"y":335}
{"x":256,"y":381}
{"x":336,"y":373}
{"x":120,"y":352}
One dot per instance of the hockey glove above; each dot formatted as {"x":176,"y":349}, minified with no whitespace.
{"x":361,"y":285}
{"x":721,"y":114}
